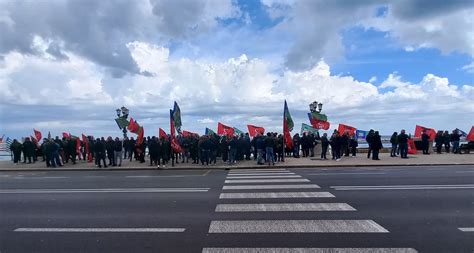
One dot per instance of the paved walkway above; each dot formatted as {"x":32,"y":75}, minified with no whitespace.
{"x":359,"y":161}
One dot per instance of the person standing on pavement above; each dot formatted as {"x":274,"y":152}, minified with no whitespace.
{"x":15,"y":147}
{"x":368,"y":139}
{"x":425,"y":142}
{"x":118,"y":149}
{"x":353,"y":144}
{"x":376,"y":145}
{"x":324,"y":146}
{"x":394,"y":142}
{"x":99,"y":148}
{"x":455,"y":138}
{"x":269,"y":144}
{"x":439,"y":141}
{"x":447,"y":141}
{"x":403,"y":144}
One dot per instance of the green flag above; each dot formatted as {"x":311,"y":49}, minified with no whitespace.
{"x":308,"y":128}
{"x":237,"y":131}
{"x":287,"y":120}
{"x":122,"y":123}
{"x":319,"y":116}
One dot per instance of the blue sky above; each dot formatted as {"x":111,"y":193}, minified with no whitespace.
{"x":66,"y":65}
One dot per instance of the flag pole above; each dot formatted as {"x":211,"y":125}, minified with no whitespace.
{"x":283,"y":146}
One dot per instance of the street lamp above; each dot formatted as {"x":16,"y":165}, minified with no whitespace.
{"x":122,"y":115}
{"x":316,"y":107}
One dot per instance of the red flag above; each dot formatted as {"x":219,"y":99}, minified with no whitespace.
{"x":470,"y":136}
{"x":66,"y":135}
{"x":34,"y":140}
{"x":38,"y":135}
{"x":287,"y":126}
{"x":141,"y":133}
{"x":254,"y":130}
{"x":429,"y":131}
{"x":411,"y":147}
{"x":162,"y":133}
{"x":133,"y":126}
{"x":188,"y":134}
{"x":224,"y":130}
{"x":345,"y":128}
{"x":319,"y":124}
{"x":78,"y":145}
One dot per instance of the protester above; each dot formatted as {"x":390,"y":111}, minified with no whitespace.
{"x":447,"y":141}
{"x":269,"y":143}
{"x":335,"y":143}
{"x":455,"y":138}
{"x":353,"y":144}
{"x":403,"y":144}
{"x":394,"y":142}
{"x":324,"y":146}
{"x":99,"y":148}
{"x":439,"y":141}
{"x":376,"y":145}
{"x":368,"y":139}
{"x":296,"y":145}
{"x":28,"y":150}
{"x":425,"y":142}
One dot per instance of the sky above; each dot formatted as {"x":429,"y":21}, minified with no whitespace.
{"x":65,"y":66}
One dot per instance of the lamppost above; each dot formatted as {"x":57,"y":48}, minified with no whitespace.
{"x":122,"y":115}
{"x":316,"y":107}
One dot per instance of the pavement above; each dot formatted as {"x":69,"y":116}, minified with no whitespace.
{"x":290,"y":162}
{"x":338,"y":209}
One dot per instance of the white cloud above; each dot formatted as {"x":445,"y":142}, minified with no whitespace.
{"x":206,"y":121}
{"x":469,"y":67}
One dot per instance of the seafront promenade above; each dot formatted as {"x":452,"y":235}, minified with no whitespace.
{"x":290,"y":162}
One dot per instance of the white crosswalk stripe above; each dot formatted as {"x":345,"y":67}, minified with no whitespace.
{"x":309,"y":250}
{"x":296,"y":226}
{"x":245,"y":181}
{"x":272,"y":195}
{"x":262,"y":174}
{"x":284,"y":207}
{"x":273,"y":176}
{"x":270,"y":186}
{"x":258,"y":171}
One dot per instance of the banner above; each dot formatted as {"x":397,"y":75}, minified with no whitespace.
{"x":66,"y":135}
{"x":174,"y":143}
{"x":224,"y":130}
{"x":237,"y":131}
{"x":177,"y":117}
{"x":411,"y":147}
{"x":189,"y":134}
{"x":133,"y":126}
{"x":361,"y":134}
{"x":346,"y":128}
{"x":307,"y":128}
{"x":470,"y":136}
{"x":317,"y":123}
{"x":461,"y":132}
{"x":162,"y":133}
{"x":254,"y":130}
{"x":429,"y":131}
{"x":287,"y":126}
{"x":38,"y":135}
{"x":209,"y":131}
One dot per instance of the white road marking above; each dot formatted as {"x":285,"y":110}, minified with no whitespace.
{"x":244,"y":181}
{"x":50,"y":177}
{"x":402,"y":187}
{"x":296,"y":226}
{"x":284,"y":207}
{"x":277,"y":176}
{"x":270,"y":186}
{"x":261,"y":174}
{"x":467,"y":229}
{"x":272,"y":195}
{"x":102,"y":230}
{"x":94,"y":176}
{"x":259,"y":171}
{"x":109,"y":190}
{"x":346,"y":173}
{"x":309,"y":250}
{"x":145,"y":176}
{"x":472,"y":171}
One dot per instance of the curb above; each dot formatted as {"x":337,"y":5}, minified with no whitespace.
{"x":227,"y":167}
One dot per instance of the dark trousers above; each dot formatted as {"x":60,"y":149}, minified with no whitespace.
{"x":353,"y":151}
{"x":98,"y":158}
{"x":369,"y":151}
{"x":16,"y":157}
{"x":403,"y":150}
{"x":425,"y":148}
{"x":324,"y":152}
{"x":375,"y":155}
{"x":446,"y":147}
{"x":205,"y":156}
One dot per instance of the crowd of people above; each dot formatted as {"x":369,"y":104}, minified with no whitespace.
{"x":207,"y":149}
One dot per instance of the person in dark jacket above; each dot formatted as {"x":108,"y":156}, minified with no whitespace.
{"x":344,"y":144}
{"x":439,"y":141}
{"x":269,"y":144}
{"x":110,"y":148}
{"x":15,"y":147}
{"x":425,"y":142}
{"x":260,"y":147}
{"x":232,"y":150}
{"x":353,"y":144}
{"x":403,"y":144}
{"x":394,"y":142}
{"x":153,"y":151}
{"x":118,"y":150}
{"x":296,"y":146}
{"x":455,"y":138}
{"x":335,"y":143}
{"x":324,"y":146}
{"x":368,"y":139}
{"x":376,"y":145}
{"x":447,"y":141}
{"x":99,"y":148}
{"x":29,"y":149}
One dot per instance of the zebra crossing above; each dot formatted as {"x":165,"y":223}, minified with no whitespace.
{"x":274,"y":188}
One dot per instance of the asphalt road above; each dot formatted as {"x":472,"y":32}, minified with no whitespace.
{"x":385,"y":209}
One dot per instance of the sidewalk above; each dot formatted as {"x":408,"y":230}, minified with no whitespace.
{"x":359,"y":161}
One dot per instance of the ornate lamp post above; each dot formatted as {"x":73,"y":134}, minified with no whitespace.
{"x":122,"y":115}
{"x":316,"y":107}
